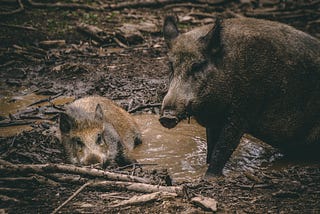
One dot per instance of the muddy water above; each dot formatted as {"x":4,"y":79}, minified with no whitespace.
{"x":182,"y":150}
{"x":12,"y":102}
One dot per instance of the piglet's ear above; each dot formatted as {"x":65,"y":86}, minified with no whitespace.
{"x":170,"y":30}
{"x":211,"y":42}
{"x":98,"y":115}
{"x":66,"y":122}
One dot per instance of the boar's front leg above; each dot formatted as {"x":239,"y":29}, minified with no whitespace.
{"x":212,"y":133}
{"x":227,"y":142}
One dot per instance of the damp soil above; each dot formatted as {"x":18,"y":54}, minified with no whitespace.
{"x":126,"y":61}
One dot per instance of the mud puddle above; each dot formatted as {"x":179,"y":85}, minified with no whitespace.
{"x":182,"y":150}
{"x":13,"y":103}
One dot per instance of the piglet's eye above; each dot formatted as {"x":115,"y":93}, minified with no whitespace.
{"x":78,"y":142}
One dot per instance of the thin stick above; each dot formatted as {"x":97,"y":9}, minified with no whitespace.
{"x":19,"y":27}
{"x":71,"y":197}
{"x":143,"y":106}
{"x":137,"y":187}
{"x":15,"y":123}
{"x":19,"y":10}
{"x":46,"y":99}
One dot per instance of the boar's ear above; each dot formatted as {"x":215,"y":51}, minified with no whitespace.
{"x":98,"y":115}
{"x":66,"y":122}
{"x":170,"y":29}
{"x":211,"y":42}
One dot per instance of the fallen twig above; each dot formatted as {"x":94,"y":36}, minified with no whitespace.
{"x":252,"y":177}
{"x":8,"y":199}
{"x":15,"y":123}
{"x":34,"y":178}
{"x":143,"y":106}
{"x":94,"y":32}
{"x":18,"y":10}
{"x":136,"y":164}
{"x":19,"y":27}
{"x":71,"y":169}
{"x":138,"y":187}
{"x":69,"y":6}
{"x":71,"y":197}
{"x":67,"y":178}
{"x":121,"y":44}
{"x":157,"y":3}
{"x":52,"y":43}
{"x":12,"y":190}
{"x":252,"y":186}
{"x":46,"y":99}
{"x":8,"y":63}
{"x":259,"y":13}
{"x":142,"y":199}
{"x":285,"y":194}
{"x":120,"y":5}
{"x":192,"y":5}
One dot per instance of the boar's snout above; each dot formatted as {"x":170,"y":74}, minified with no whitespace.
{"x":168,"y":119}
{"x":93,"y":159}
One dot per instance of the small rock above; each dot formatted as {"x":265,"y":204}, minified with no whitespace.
{"x":206,"y":203}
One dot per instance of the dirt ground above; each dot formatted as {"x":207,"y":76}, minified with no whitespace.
{"x":115,"y":49}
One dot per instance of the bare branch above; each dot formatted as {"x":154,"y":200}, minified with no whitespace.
{"x":71,"y":197}
{"x":19,"y":10}
{"x":71,"y":169}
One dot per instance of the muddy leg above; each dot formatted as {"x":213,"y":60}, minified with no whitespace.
{"x":212,"y":138}
{"x":314,"y":135}
{"x":227,"y":142}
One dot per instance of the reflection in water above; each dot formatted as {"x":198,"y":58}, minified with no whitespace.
{"x":182,"y":150}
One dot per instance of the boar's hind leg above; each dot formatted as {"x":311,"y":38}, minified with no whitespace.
{"x":227,"y":142}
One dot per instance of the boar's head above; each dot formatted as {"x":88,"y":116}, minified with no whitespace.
{"x":197,"y":85}
{"x":89,"y":139}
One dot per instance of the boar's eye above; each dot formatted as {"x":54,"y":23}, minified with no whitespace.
{"x":196,"y":67}
{"x":99,"y":140}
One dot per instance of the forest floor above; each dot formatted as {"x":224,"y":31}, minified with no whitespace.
{"x":70,"y":49}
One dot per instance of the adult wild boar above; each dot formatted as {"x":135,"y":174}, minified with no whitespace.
{"x":95,"y":130}
{"x":244,"y":75}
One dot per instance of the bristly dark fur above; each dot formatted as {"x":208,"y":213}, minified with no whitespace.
{"x":211,"y":42}
{"x":245,"y":75}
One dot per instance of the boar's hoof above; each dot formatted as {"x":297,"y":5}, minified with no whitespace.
{"x":169,"y":121}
